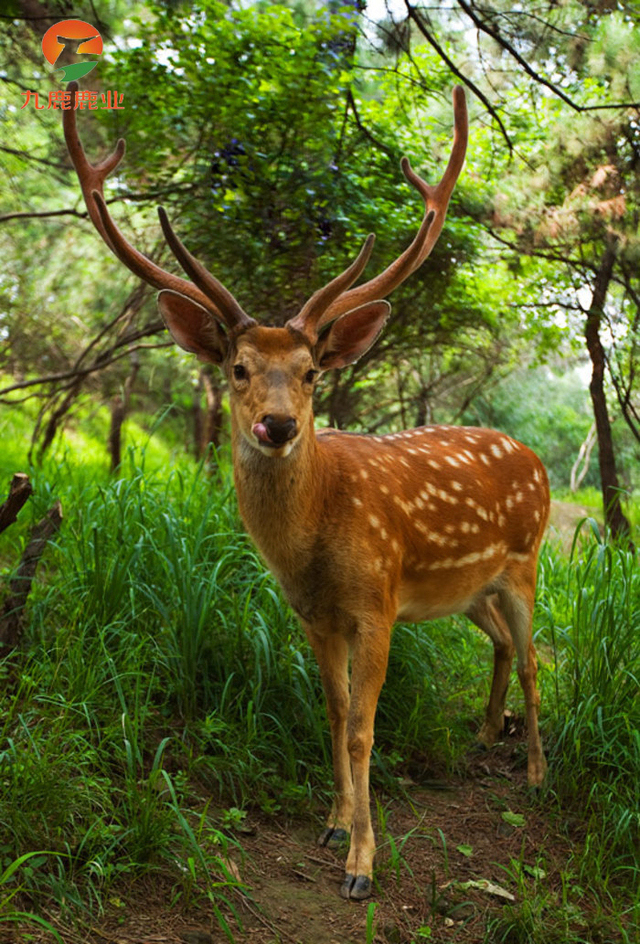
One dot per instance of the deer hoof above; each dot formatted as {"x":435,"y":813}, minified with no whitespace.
{"x":333,"y":837}
{"x":356,"y":887}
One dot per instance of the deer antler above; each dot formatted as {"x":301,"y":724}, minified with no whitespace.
{"x":308,"y":318}
{"x":211,"y":295}
{"x":436,"y":199}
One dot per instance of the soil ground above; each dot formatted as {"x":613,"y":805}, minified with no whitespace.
{"x":433,"y":838}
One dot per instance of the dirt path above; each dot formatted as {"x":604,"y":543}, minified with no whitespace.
{"x":565,"y":518}
{"x":431,"y":841}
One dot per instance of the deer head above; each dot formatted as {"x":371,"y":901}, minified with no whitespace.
{"x":271,"y":371}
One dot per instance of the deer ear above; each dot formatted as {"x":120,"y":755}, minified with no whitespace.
{"x":192,"y":327}
{"x":351,"y":335}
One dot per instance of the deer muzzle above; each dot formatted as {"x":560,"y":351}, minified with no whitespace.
{"x":275,"y":430}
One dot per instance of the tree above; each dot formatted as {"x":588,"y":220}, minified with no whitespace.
{"x":561,"y":85}
{"x":273,"y":166}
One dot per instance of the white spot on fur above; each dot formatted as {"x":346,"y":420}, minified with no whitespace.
{"x":497,"y":452}
{"x":446,"y":497}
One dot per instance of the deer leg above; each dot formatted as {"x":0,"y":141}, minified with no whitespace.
{"x":516,"y":601}
{"x":332,"y":654}
{"x":487,"y":617}
{"x":370,"y":655}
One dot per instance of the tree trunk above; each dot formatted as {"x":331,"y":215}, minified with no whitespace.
{"x":54,"y":421}
{"x":580,"y":467}
{"x":207,"y":423}
{"x":614,"y":516}
{"x":119,"y":407}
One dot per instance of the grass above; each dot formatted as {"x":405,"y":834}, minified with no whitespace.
{"x":160,"y":663}
{"x":594,"y":736}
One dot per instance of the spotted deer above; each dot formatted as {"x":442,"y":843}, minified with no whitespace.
{"x":359,"y":530}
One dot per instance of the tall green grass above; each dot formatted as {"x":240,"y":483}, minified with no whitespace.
{"x":589,"y":608}
{"x":160,"y":663}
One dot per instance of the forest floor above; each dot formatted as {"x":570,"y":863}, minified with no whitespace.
{"x":434,"y":837}
{"x":484,"y":827}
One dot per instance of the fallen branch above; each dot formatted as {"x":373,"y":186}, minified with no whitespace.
{"x":11,"y":620}
{"x":19,"y":492}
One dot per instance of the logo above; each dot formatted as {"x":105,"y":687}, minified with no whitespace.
{"x":77,"y":37}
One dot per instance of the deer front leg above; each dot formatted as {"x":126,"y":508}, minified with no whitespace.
{"x":369,"y":666}
{"x":332,"y":654}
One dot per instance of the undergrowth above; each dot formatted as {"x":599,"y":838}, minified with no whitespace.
{"x":160,"y":665}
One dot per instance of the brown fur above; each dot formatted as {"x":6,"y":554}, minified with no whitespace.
{"x":360,"y":530}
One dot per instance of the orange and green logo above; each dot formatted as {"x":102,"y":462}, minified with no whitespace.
{"x":77,"y":37}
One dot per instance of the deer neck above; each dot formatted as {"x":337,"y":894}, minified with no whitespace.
{"x":280,"y":499}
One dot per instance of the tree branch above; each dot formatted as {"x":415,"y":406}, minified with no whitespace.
{"x":495,"y":34}
{"x":19,"y":491}
{"x":419,"y":21}
{"x":365,"y":131}
{"x":98,"y":364}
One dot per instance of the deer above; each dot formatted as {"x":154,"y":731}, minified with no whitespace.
{"x":359,"y":530}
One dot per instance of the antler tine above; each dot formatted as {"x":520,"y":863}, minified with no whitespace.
{"x":310,"y":317}
{"x":92,"y":178}
{"x":208,"y":283}
{"x":436,"y":198}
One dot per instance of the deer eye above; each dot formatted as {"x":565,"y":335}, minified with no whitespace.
{"x":310,"y":376}
{"x":240,"y":372}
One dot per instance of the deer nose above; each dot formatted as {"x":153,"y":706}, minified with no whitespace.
{"x":280,"y":429}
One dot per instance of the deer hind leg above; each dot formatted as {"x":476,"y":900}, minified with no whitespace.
{"x":486,"y":614}
{"x":516,"y":601}
{"x":332,"y":654}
